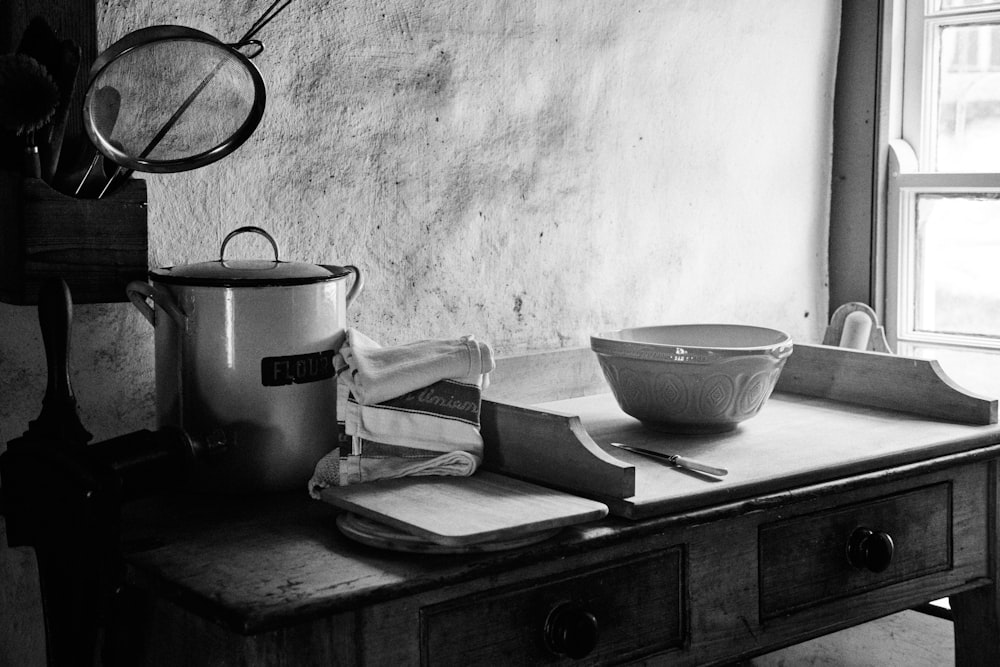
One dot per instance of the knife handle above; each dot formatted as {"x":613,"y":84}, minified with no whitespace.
{"x":700,"y":467}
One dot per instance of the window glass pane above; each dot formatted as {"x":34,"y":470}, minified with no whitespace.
{"x":959,"y":4}
{"x":968,"y":98}
{"x":957,"y":264}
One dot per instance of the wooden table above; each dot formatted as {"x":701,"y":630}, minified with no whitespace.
{"x":710,"y":573}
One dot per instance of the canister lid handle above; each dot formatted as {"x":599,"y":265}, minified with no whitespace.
{"x":241,"y":230}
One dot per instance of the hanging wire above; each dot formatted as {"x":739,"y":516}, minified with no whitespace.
{"x":264,"y":19}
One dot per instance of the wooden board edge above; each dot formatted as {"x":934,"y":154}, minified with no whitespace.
{"x":550,"y":448}
{"x":881,"y":380}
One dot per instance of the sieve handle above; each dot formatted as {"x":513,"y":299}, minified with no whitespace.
{"x":242,"y":230}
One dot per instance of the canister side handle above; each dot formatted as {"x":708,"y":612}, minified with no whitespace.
{"x":359,"y":283}
{"x":138,"y":292}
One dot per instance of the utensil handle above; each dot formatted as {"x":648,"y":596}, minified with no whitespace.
{"x":700,"y":467}
{"x":32,"y":162}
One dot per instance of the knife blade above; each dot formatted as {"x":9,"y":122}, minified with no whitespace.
{"x":675,"y":459}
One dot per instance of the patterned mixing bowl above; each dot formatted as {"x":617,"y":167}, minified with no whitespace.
{"x":692,"y":378}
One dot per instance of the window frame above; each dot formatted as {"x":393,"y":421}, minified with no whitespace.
{"x":868,"y":253}
{"x":905,"y":183}
{"x":862,"y":124}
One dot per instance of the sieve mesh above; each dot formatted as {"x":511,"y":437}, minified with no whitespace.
{"x":155,"y":80}
{"x":181,"y":101}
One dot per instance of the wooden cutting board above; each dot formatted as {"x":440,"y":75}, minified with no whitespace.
{"x":458,"y":511}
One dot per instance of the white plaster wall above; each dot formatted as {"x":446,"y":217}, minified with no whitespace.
{"x":528,"y":171}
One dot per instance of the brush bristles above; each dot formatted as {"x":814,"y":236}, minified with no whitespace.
{"x":28,"y":94}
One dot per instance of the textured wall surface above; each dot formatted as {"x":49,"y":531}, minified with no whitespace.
{"x":528,"y":171}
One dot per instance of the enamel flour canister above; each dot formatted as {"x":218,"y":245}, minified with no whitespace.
{"x":244,"y":361}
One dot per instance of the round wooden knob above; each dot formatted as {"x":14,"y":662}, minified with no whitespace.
{"x":870,"y":549}
{"x":570,"y":630}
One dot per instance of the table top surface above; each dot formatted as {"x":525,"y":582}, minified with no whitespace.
{"x":261,"y":562}
{"x":794,"y":441}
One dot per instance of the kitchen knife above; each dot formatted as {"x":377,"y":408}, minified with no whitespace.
{"x":675,"y":459}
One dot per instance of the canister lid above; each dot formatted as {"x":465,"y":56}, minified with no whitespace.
{"x":247,"y":272}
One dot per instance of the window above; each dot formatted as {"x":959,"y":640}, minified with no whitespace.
{"x":942,"y":242}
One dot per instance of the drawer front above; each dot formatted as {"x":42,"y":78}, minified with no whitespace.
{"x":805,"y":560}
{"x":637,"y":604}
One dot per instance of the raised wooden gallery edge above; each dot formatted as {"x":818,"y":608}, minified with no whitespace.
{"x":835,"y":412}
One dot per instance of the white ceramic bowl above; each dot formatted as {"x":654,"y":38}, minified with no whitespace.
{"x":692,"y":378}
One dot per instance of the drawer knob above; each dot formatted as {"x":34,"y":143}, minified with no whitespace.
{"x":870,"y":549}
{"x":570,"y":630}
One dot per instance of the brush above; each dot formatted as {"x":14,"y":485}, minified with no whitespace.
{"x":28,"y":101}
{"x":61,"y":59}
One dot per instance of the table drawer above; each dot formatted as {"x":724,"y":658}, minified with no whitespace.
{"x":813,"y":558}
{"x":636,"y":603}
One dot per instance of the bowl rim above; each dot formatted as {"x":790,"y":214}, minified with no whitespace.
{"x":609,"y":343}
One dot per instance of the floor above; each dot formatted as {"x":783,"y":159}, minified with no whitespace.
{"x":906,"y":639}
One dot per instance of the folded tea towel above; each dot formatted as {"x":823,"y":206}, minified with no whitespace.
{"x":425,"y":420}
{"x":374,"y":373}
{"x":441,"y":417}
{"x":336,"y":470}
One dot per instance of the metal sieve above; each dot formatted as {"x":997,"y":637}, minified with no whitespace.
{"x":186,"y":99}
